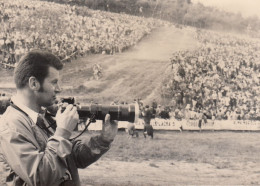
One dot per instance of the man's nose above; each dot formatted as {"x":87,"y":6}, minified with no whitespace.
{"x":58,"y":89}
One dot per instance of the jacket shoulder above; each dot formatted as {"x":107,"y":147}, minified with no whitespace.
{"x":14,"y":120}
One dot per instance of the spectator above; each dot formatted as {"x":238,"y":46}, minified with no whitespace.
{"x":148,"y":128}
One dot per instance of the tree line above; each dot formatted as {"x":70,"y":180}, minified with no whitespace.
{"x":181,"y":12}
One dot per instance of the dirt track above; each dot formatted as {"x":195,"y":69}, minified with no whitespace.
{"x":168,"y":173}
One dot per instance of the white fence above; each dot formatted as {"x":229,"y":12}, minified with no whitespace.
{"x":172,"y":124}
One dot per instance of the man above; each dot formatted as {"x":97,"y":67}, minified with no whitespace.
{"x":154,"y":106}
{"x":148,"y":128}
{"x":32,"y":150}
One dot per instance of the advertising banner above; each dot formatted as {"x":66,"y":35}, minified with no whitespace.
{"x":173,"y":124}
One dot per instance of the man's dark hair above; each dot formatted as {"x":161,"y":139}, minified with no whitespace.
{"x":35,"y":63}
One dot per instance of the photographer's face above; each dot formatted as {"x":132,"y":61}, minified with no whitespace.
{"x":49,"y":88}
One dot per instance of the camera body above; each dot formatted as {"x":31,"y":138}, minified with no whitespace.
{"x":69,"y":100}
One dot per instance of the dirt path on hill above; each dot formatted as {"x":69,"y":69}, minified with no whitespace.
{"x":136,"y":73}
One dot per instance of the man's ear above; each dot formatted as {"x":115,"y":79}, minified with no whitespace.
{"x":34,"y":84}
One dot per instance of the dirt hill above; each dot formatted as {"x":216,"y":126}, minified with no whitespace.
{"x":136,"y":73}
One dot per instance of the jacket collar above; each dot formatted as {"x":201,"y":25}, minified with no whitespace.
{"x":31,"y":113}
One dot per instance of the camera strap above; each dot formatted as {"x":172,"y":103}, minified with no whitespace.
{"x":92,"y":119}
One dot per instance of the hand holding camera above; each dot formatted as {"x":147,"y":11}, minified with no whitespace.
{"x":67,"y":119}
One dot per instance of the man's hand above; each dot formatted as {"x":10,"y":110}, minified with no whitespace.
{"x":109,"y":129}
{"x":68,"y":119}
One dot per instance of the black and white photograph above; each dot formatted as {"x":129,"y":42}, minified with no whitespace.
{"x":129,"y":92}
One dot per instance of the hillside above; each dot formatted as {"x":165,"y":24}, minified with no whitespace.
{"x":183,"y":12}
{"x":136,"y":73}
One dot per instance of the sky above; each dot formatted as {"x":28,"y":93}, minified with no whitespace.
{"x":245,"y":7}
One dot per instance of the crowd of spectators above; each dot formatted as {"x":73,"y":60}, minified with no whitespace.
{"x":67,"y":31}
{"x":219,"y":80}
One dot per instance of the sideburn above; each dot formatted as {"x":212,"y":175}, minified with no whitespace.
{"x":41,"y":88}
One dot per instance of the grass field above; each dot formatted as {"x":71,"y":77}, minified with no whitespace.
{"x":205,"y":147}
{"x":188,"y":158}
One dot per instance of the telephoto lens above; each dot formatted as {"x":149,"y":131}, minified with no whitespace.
{"x":128,"y":113}
{"x":117,"y":112}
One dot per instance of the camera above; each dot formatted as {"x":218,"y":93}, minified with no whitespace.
{"x":128,"y":113}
